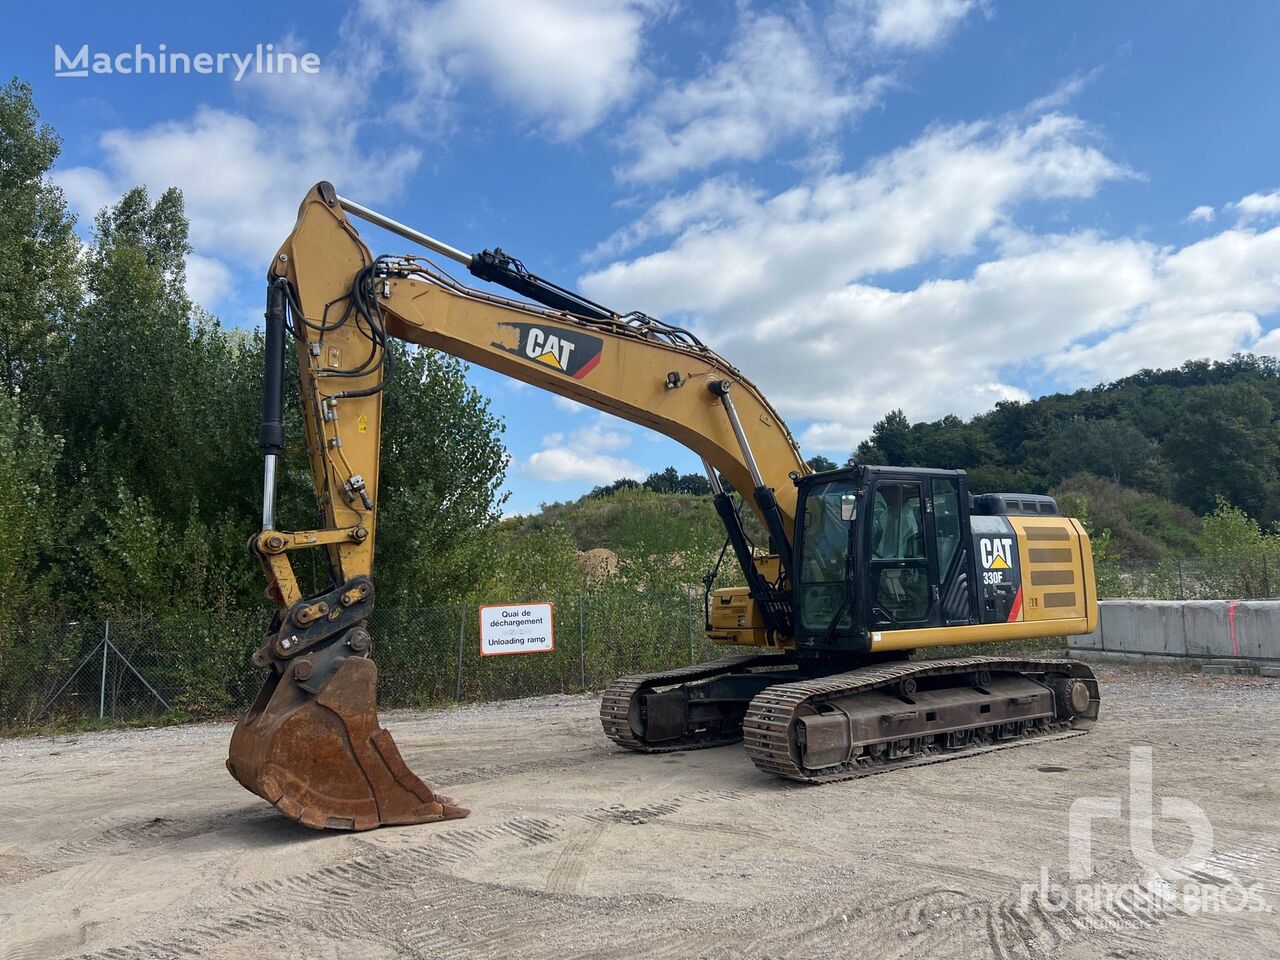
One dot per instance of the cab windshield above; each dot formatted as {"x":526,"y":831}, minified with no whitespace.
{"x":823,"y":567}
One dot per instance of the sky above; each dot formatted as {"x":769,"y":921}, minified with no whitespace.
{"x":932,"y":205}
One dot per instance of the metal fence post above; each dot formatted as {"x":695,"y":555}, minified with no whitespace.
{"x":1266,"y":579}
{"x":1182,"y":589}
{"x":582,"y":646}
{"x":462,"y":639}
{"x":102,"y":688}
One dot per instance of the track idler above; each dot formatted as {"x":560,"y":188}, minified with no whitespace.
{"x":311,"y":744}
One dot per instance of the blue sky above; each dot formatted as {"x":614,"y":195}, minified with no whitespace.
{"x":926,"y":204}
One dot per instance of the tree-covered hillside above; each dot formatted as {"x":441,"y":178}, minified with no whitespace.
{"x":1203,"y":432}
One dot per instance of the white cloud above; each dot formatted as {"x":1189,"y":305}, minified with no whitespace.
{"x":792,"y":300}
{"x":1206,"y":301}
{"x":1268,"y":343}
{"x":935,"y":197}
{"x":585,"y":454}
{"x":898,"y":24}
{"x":775,"y":81}
{"x":1257,"y":206}
{"x":87,"y":190}
{"x":208,"y":280}
{"x":567,"y":62}
{"x":711,"y":204}
{"x":825,"y":437}
{"x":568,"y":405}
{"x":559,"y":463}
{"x":1153,"y":341}
{"x":1064,"y":93}
{"x":241,"y":180}
{"x":846,"y":357}
{"x":1201,"y":214}
{"x":593,"y":437}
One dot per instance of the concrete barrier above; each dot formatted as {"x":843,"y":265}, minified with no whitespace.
{"x":1186,"y":628}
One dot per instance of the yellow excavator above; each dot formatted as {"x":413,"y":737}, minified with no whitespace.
{"x":864,"y":564}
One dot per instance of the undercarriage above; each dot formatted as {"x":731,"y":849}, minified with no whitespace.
{"x":806,"y":723}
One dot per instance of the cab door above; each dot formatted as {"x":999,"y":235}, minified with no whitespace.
{"x":899,"y":566}
{"x":953,"y":575}
{"x":917,"y":557}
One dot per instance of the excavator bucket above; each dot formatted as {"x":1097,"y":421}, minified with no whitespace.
{"x":311,"y":745}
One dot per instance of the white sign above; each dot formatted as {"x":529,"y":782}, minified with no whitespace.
{"x":516,"y":628}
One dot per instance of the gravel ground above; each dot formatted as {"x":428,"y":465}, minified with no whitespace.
{"x":138,"y":844}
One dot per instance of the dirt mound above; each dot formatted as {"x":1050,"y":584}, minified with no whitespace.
{"x":597,"y":564}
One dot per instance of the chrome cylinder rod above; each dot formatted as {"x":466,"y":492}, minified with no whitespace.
{"x":398,"y":228}
{"x":738,"y":432}
{"x":713,"y":477}
{"x":269,"y":492}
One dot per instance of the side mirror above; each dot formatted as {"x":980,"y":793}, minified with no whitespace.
{"x":849,"y":507}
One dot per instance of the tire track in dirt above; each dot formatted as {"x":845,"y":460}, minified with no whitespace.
{"x":497,"y":771}
{"x":140,"y":834}
{"x":344,"y":893}
{"x":620,"y":813}
{"x":197,"y":937}
{"x":16,"y":868}
{"x":570,"y":869}
{"x":440,"y":915}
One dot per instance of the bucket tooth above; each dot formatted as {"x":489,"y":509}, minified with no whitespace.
{"x":315,"y":751}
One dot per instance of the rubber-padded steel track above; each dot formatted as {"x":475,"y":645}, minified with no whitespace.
{"x":615,"y":708}
{"x":770,"y":722}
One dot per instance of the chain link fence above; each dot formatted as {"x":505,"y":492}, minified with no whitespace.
{"x":144,"y":670}
{"x":1191,"y":578}
{"x":114,"y":671}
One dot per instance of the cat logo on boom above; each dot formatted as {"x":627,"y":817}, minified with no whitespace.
{"x":565,"y":351}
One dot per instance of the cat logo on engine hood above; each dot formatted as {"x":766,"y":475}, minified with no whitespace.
{"x":566,"y":351}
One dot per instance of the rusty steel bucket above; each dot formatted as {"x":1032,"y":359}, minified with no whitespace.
{"x":311,"y":744}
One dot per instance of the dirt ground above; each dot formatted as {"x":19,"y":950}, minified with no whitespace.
{"x":138,"y":844}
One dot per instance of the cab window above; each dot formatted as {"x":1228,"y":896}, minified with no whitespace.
{"x":897,"y":529}
{"x":899,"y":568}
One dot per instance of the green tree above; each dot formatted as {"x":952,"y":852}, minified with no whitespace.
{"x":28,"y":509}
{"x":820,"y":464}
{"x":951,"y":444}
{"x":890,"y":442}
{"x":443,"y":464}
{"x":1110,"y":448}
{"x":1244,"y":560}
{"x":39,"y":269}
{"x":1224,"y":445}
{"x":664,"y":481}
{"x":156,"y":404}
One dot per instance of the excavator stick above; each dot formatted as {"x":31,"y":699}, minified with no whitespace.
{"x":311,"y":743}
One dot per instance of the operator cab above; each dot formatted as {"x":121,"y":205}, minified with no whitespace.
{"x":881,"y":548}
